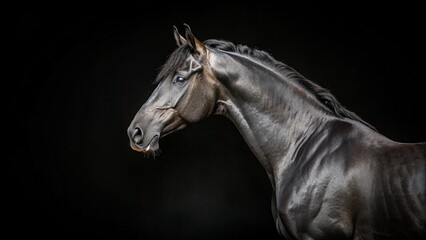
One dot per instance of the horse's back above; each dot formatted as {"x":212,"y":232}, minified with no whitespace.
{"x":397,"y":198}
{"x":391,"y":180}
{"x":355,"y":184}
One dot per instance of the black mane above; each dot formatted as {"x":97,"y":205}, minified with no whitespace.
{"x":323,"y":95}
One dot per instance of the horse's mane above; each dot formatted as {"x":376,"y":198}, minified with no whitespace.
{"x":323,"y":95}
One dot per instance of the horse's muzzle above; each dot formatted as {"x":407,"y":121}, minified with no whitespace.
{"x":136,"y":136}
{"x":148,"y":127}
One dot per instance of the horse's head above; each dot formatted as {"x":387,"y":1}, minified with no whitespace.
{"x":186,"y":93}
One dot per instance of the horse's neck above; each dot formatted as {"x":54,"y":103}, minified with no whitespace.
{"x":274,"y":115}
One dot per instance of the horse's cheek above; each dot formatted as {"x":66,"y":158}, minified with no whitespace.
{"x":199,"y":106}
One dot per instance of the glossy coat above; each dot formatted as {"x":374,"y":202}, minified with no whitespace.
{"x":333,"y":175}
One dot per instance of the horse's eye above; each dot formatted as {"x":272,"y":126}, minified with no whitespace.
{"x":179,"y":80}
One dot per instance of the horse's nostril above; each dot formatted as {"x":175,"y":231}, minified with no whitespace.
{"x":137,"y":135}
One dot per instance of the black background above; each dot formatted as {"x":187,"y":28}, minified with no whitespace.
{"x":83,"y":70}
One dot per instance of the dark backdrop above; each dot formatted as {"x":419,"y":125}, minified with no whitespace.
{"x":84,"y":70}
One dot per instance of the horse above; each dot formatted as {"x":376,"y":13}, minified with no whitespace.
{"x":333,"y":175}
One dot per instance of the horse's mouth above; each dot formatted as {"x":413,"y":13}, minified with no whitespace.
{"x":149,"y":142}
{"x":152,"y":146}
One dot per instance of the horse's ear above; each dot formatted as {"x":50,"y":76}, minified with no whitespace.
{"x":179,"y":39}
{"x":193,"y":42}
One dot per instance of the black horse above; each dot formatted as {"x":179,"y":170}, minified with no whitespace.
{"x":333,"y":175}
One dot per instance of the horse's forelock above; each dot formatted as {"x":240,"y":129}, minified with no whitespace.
{"x":175,"y":59}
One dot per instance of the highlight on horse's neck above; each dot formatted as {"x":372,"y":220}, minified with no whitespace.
{"x":265,"y":106}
